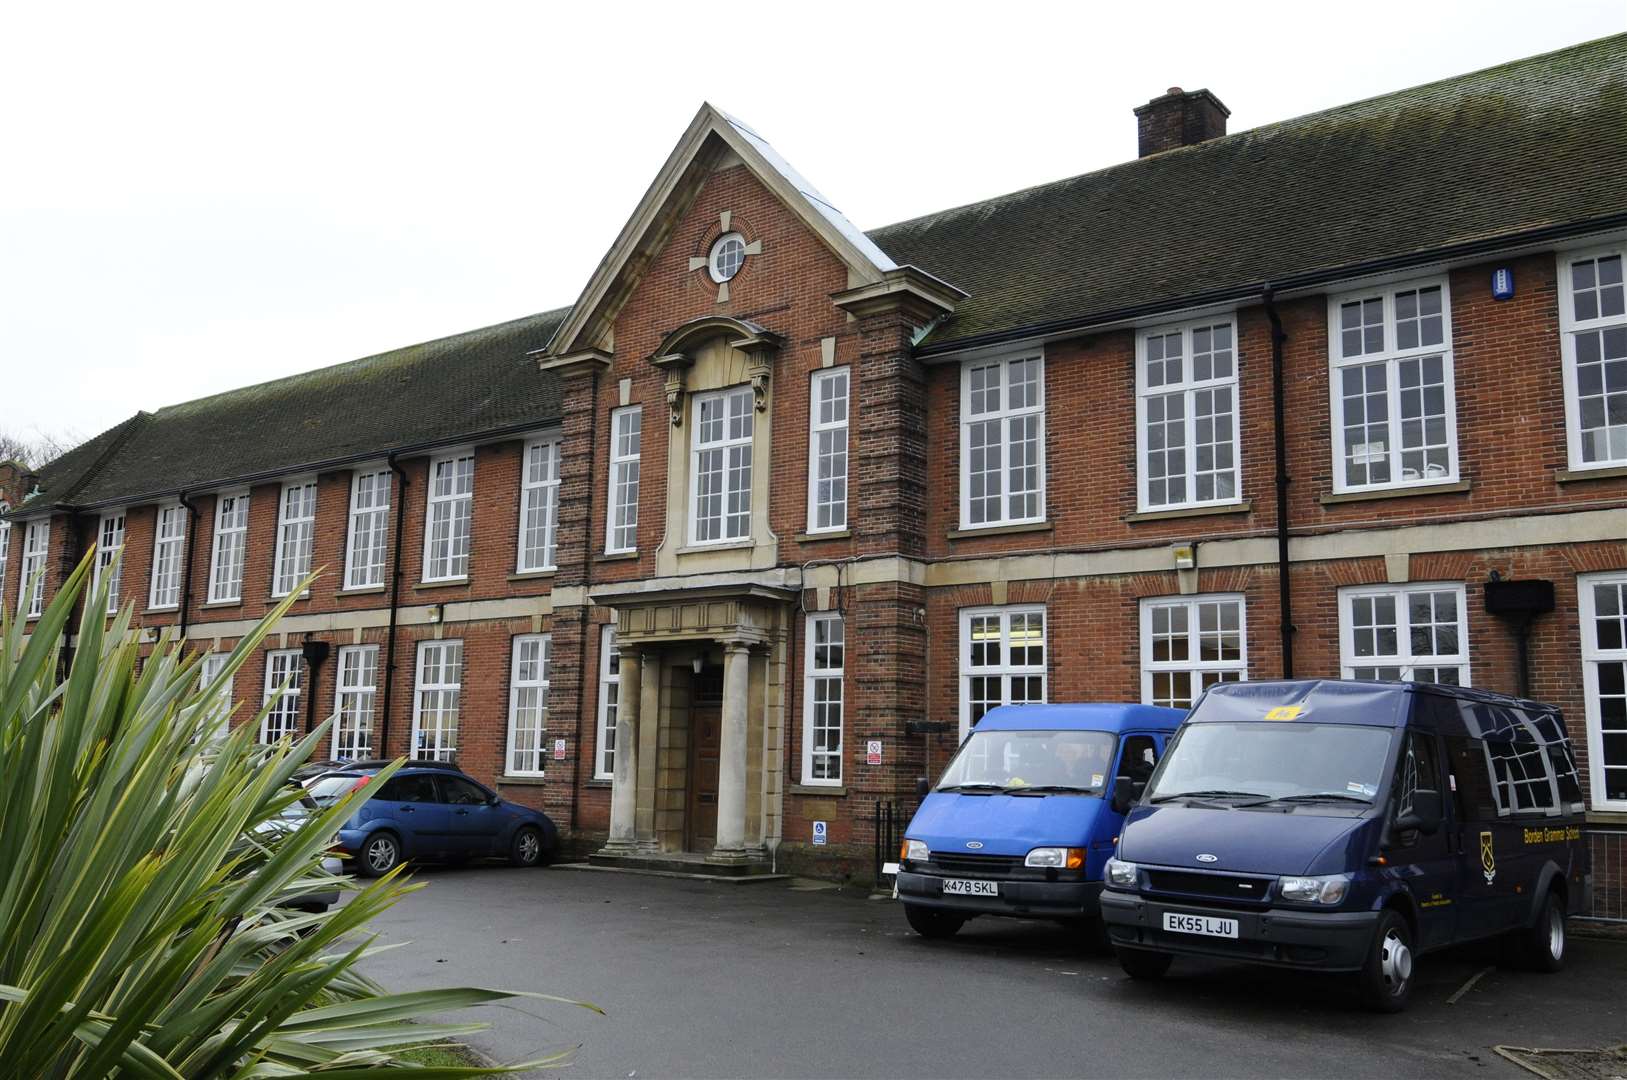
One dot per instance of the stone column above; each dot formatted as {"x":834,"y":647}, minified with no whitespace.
{"x":624,"y":782}
{"x":731,"y":772}
{"x":649,"y":747}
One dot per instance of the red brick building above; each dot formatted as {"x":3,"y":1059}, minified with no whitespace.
{"x":685,"y":562}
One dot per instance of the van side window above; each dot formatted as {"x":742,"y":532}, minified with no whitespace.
{"x":1140,"y":755}
{"x":1420,"y":768}
{"x":1522,"y":776}
{"x":1471,"y":779}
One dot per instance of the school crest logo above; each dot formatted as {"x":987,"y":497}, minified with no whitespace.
{"x":1488,"y":857}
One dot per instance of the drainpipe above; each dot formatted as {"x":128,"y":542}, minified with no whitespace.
{"x":1285,"y":604}
{"x":587,"y":575}
{"x":186,"y":566}
{"x":383,"y":748}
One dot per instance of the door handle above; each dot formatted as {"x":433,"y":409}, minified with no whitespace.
{"x":463,"y":813}
{"x":408,"y":810}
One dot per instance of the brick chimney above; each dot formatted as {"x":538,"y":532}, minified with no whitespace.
{"x":1180,"y":118}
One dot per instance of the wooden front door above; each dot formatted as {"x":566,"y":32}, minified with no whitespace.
{"x":705,"y":727}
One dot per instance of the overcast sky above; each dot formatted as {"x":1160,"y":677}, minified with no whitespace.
{"x":197,"y":198}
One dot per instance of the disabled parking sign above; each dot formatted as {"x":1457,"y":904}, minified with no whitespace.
{"x":819,"y":828}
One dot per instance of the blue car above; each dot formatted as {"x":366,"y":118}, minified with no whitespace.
{"x":1351,"y":827}
{"x":1020,"y":823}
{"x":430,"y":811}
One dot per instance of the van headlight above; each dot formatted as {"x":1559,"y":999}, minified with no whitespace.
{"x":1314,"y":890}
{"x":915,"y":851}
{"x":1056,"y":858}
{"x":1121,"y":874}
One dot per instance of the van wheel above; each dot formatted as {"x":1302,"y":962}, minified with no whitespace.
{"x":1541,"y":946}
{"x":1144,"y":963}
{"x":1092,"y":935}
{"x":1386,"y":977}
{"x":932,"y":923}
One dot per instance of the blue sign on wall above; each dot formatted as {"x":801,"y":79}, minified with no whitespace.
{"x":1502,"y":283}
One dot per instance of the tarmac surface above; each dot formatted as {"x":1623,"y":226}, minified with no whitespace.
{"x":799,"y":980}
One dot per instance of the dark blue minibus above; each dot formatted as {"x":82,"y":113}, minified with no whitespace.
{"x":1019,"y":822}
{"x":1350,"y":827}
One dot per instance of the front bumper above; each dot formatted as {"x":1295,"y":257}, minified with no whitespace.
{"x":1316,"y":940}
{"x":1028,"y":899}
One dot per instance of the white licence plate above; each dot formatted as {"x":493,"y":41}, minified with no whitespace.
{"x":1199,"y":924}
{"x":964,"y":887}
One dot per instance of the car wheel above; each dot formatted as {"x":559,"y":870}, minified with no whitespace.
{"x":1541,"y":946}
{"x":932,"y":923}
{"x":1386,"y":977}
{"x":526,"y":850}
{"x":380,"y":854}
{"x":1144,"y":963}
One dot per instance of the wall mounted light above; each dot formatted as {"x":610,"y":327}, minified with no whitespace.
{"x":1185,"y":555}
{"x":434,"y":613}
{"x":697,"y":662}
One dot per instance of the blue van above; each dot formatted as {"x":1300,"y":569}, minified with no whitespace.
{"x":1351,"y":827}
{"x":1019,"y":823}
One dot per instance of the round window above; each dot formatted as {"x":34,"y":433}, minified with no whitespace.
{"x":728,"y":253}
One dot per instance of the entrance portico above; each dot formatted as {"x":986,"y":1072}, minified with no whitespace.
{"x":700,"y":739}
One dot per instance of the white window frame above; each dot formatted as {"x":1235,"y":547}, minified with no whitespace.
{"x":109,"y":539}
{"x":433,"y":745}
{"x":1004,"y":670}
{"x":539,"y":499}
{"x":169,"y":549}
{"x":1569,"y":328}
{"x":837,"y":432}
{"x":222,"y":589}
{"x":1403,"y":657}
{"x":459,"y":522}
{"x":1194,"y":665}
{"x":35,"y":555}
{"x":219,"y":718}
{"x":819,"y":672}
{"x":1005,"y":415}
{"x":5,"y":540}
{"x":1592,"y":657}
{"x":626,"y":458}
{"x":367,"y":534}
{"x":532,"y":721}
{"x":604,"y":748}
{"x":355,"y":702}
{"x":284,"y":667}
{"x":296,"y":536}
{"x":726,"y":447}
{"x":1188,"y":387}
{"x":1392,"y":357}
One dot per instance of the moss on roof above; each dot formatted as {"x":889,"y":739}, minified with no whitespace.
{"x":1527,"y":144}
{"x":454,"y":387}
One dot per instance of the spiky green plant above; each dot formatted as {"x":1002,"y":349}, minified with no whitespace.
{"x":144,"y":926}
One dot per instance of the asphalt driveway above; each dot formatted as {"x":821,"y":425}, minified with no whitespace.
{"x":708,"y":980}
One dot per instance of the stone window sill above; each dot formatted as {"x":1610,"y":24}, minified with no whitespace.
{"x":732,"y":545}
{"x":833,"y":790}
{"x":1571,"y":476}
{"x":165,"y":609}
{"x":531,"y":575}
{"x":1000,"y":530}
{"x":360,"y":590}
{"x":449,"y":583}
{"x":521,"y":781}
{"x":1459,"y":488}
{"x":598,"y":783}
{"x":616,"y":556}
{"x":1244,"y":507}
{"x":814,"y":538}
{"x":213,"y":605}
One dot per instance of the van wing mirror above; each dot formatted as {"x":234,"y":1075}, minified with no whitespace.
{"x":921,"y":786}
{"x":1126,"y":793}
{"x":1426,"y":812}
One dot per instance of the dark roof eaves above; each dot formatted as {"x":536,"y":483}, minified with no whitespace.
{"x":1307,"y":279}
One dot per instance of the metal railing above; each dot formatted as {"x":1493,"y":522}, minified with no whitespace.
{"x":1607,"y":901}
{"x":888,"y":832}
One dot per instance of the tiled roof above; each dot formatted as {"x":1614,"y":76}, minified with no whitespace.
{"x":466,"y":385}
{"x":1502,"y":153}
{"x":1512,"y":149}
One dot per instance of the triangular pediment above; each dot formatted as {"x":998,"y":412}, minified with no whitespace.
{"x":713,"y":140}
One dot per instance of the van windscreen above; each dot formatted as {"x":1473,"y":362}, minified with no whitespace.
{"x":1042,"y":761}
{"x":1271,"y":761}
